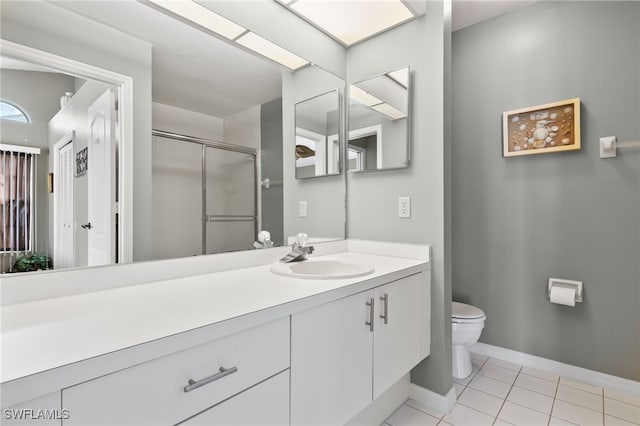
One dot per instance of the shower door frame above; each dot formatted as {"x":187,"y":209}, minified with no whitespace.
{"x":210,"y":143}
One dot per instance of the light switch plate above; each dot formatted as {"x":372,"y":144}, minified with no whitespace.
{"x":302,"y":208}
{"x":404,"y":207}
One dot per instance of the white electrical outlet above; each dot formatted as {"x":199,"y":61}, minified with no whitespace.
{"x":302,"y":207}
{"x":404,"y":206}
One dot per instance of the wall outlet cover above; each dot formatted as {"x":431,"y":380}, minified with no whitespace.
{"x":404,"y":207}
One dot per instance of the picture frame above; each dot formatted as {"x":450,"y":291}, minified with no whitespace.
{"x":82,"y":158}
{"x":542,"y":129}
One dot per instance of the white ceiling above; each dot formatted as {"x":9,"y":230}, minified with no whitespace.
{"x":465,"y":13}
{"x":199,"y":72}
{"x":191,"y":69}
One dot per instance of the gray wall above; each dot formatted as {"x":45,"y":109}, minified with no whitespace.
{"x":421,"y":45}
{"x":518,"y":221}
{"x":47,"y":27}
{"x":271,"y":166}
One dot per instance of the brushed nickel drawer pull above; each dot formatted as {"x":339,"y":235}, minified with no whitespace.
{"x":196,"y":384}
{"x":385,"y":301}
{"x":371,"y":309}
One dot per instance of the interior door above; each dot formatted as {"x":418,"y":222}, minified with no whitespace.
{"x":64,"y":239}
{"x":101,"y":180}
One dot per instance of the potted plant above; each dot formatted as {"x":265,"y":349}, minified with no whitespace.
{"x":34,"y":262}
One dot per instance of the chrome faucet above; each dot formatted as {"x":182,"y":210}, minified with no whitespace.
{"x":299,"y":250}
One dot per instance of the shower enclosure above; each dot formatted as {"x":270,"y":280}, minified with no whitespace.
{"x":204,"y":196}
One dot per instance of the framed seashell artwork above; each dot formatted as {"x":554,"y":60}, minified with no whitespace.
{"x":541,"y":129}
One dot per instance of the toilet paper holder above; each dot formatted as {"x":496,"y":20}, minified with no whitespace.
{"x":559,"y":282}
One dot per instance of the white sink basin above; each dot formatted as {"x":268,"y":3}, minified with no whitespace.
{"x":321,"y":269}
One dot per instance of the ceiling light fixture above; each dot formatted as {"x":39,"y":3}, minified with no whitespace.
{"x":209,"y":20}
{"x":389,"y":111}
{"x":368,"y":100}
{"x":363,"y":97}
{"x":271,"y":50}
{"x":351,"y":21}
{"x":202,"y":16}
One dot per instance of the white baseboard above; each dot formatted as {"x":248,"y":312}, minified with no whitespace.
{"x":442,"y":403}
{"x":384,"y":406}
{"x":595,"y":378}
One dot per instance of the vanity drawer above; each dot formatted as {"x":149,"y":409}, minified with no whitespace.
{"x":158,"y":392}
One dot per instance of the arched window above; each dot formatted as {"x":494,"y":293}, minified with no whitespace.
{"x":9,"y":111}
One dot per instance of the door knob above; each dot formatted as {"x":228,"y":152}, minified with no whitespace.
{"x":87,"y":226}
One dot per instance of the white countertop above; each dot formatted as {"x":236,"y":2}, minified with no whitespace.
{"x":50,"y":333}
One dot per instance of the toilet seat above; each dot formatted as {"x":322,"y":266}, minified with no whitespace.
{"x":461,"y":313}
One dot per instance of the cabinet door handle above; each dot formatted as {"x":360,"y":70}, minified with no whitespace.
{"x":370,"y":304}
{"x":385,"y":303}
{"x":196,"y":384}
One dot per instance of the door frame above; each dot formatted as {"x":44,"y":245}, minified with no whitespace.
{"x":124,"y":131}
{"x":62,"y":142}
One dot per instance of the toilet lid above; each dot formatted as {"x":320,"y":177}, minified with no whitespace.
{"x":464,"y":311}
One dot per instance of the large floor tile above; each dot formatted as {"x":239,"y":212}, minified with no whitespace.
{"x":581,"y":385}
{"x":481,"y":401}
{"x":420,"y":406}
{"x":622,"y":410}
{"x":554,"y":421}
{"x":534,"y":400}
{"x":522,"y":416}
{"x":614,"y":421}
{"x":499,"y":373}
{"x":504,"y":364}
{"x":459,"y":388}
{"x":540,"y":374}
{"x":478,"y":357}
{"x":491,"y":386}
{"x":576,"y":414}
{"x":624,"y":397}
{"x":580,"y":397}
{"x":465,"y":416}
{"x":409,"y":416}
{"x":535,"y":384}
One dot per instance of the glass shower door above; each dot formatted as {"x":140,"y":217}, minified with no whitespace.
{"x":230,"y":193}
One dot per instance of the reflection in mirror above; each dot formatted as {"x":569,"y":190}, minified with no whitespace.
{"x":317,"y":136}
{"x":204,"y":89}
{"x":378,"y":122}
{"x":52,"y":211}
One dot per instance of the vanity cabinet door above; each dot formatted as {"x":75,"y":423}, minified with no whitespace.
{"x":43,"y":411}
{"x":266,"y":404}
{"x":401,"y":335}
{"x":331,"y":361}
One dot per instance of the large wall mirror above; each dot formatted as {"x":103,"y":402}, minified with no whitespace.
{"x":317,"y":149}
{"x":219,"y":164}
{"x":379,"y":117}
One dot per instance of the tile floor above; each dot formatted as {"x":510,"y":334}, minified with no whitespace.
{"x":502,"y":393}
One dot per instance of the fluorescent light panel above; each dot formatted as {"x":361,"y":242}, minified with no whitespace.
{"x":389,"y":111}
{"x":363,"y":97}
{"x":202,"y":16}
{"x":271,"y":50}
{"x":352,"y":21}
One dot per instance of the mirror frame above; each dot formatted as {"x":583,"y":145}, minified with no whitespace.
{"x":409,"y":139}
{"x":339,"y":133}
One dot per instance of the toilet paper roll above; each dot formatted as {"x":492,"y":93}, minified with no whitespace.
{"x":563,"y":296}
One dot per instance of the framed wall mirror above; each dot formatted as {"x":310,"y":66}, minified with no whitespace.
{"x":317,"y":149}
{"x":224,"y":135}
{"x":379,"y":116}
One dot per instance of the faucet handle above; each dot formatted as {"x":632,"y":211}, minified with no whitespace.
{"x":301,"y":239}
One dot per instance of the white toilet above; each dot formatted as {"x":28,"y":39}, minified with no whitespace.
{"x":467,"y":323}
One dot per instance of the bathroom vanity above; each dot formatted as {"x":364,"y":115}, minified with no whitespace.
{"x":231,"y":346}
